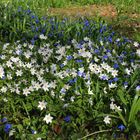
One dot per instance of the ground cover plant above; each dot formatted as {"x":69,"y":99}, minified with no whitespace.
{"x":66,"y":79}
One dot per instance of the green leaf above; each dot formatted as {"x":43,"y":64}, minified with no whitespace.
{"x":134,"y":108}
{"x":121,"y":95}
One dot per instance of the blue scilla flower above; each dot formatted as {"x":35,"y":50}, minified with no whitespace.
{"x":37,"y":29}
{"x":125,"y":83}
{"x":43,"y":31}
{"x":110,"y":81}
{"x":32,"y":16}
{"x":116,"y":66}
{"x":104,"y":77}
{"x":7,"y":127}
{"x":110,"y":39}
{"x":67,"y":118}
{"x":124,"y":52}
{"x":63,"y":91}
{"x":97,"y":51}
{"x":3,"y":77}
{"x":33,"y":131}
{"x":28,"y":11}
{"x":3,"y":120}
{"x":62,"y":65}
{"x":79,"y":46}
{"x":69,"y":57}
{"x":121,"y":127}
{"x":105,"y":57}
{"x":101,"y":30}
{"x":115,"y":79}
{"x":32,"y":41}
{"x":79,"y":61}
{"x":35,"y":37}
{"x":37,"y":21}
{"x":132,"y":60}
{"x":138,"y":88}
{"x":86,"y":23}
{"x":72,"y":81}
{"x":79,"y":73}
{"x":19,"y":9}
{"x":132,"y":53}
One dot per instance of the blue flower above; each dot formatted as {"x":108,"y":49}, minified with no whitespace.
{"x":69,"y":57}
{"x":105,"y":57}
{"x":62,"y":65}
{"x":79,"y":73}
{"x":110,"y":81}
{"x":121,"y":127}
{"x":125,"y":83}
{"x":97,"y":51}
{"x":138,"y":88}
{"x":67,"y":119}
{"x":116,"y":66}
{"x":72,"y":81}
{"x":7,"y":127}
{"x":33,"y":131}
{"x":108,"y":51}
{"x":3,"y":77}
{"x":79,"y":60}
{"x":32,"y":41}
{"x":115,"y":79}
{"x":4,"y":120}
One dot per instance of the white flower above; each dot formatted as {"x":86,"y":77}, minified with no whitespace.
{"x":86,"y":39}
{"x":90,"y":92}
{"x":9,"y":63}
{"x":37,"y":86}
{"x":112,"y":106}
{"x":38,"y":139}
{"x":26,"y":92}
{"x":101,"y":42}
{"x":43,"y":37}
{"x":5,"y":100}
{"x":138,"y":52}
{"x":48,"y":119}
{"x":19,"y":72}
{"x":11,"y":133}
{"x":28,"y":54}
{"x":128,"y":71}
{"x":104,"y":65}
{"x":31,"y":46}
{"x":96,"y":59}
{"x":33,"y":71}
{"x":107,"y":120}
{"x":3,"y":57}
{"x":118,"y":108}
{"x":3,"y":89}
{"x":42,"y":105}
{"x":114,"y":73}
{"x":45,"y":86}
{"x":136,"y":44}
{"x":105,"y":90}
{"x":28,"y":65}
{"x":112,"y":85}
{"x":9,"y":76}
{"x":1,"y":72}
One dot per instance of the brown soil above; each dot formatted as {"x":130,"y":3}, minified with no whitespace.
{"x":91,"y":10}
{"x":108,"y":11}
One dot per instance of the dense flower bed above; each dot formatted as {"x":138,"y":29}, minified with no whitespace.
{"x":67,"y":87}
{"x":66,"y":79}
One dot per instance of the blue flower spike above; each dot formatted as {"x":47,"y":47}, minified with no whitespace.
{"x":121,"y":127}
